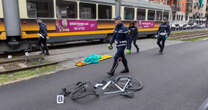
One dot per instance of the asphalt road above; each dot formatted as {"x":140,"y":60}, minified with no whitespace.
{"x":176,"y":80}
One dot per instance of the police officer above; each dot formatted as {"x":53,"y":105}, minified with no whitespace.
{"x":121,"y":37}
{"x":133,"y":33}
{"x":162,"y":34}
{"x":42,"y":41}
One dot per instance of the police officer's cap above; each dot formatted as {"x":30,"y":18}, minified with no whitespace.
{"x":117,"y":18}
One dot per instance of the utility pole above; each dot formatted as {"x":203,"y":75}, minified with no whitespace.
{"x":11,"y":18}
{"x":118,"y":4}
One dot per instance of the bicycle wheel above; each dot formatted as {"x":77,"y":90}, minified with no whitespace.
{"x":133,"y":85}
{"x":83,"y":90}
{"x":67,"y":90}
{"x":128,"y":94}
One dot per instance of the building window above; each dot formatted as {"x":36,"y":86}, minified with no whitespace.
{"x":166,"y":15}
{"x":159,"y":15}
{"x":66,"y":9}
{"x":87,"y":11}
{"x":151,"y":14}
{"x":104,"y":12}
{"x":129,"y":13}
{"x":168,"y":2}
{"x":40,"y":8}
{"x":141,"y":14}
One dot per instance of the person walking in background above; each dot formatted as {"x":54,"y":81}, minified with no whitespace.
{"x":133,"y":34}
{"x":162,"y":34}
{"x":42,"y":41}
{"x":121,"y":37}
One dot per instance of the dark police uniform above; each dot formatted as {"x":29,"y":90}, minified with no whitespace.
{"x":133,"y":33}
{"x":42,"y":41}
{"x":121,"y":38}
{"x":164,"y":30}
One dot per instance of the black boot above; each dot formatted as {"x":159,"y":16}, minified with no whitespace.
{"x":161,"y":51}
{"x":42,"y":51}
{"x":137,"y":50}
{"x":126,"y":70}
{"x":112,"y":71}
{"x":47,"y":53}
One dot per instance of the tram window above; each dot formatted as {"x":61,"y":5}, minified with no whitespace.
{"x":141,"y":14}
{"x":151,"y":14}
{"x":159,"y":15}
{"x":40,"y":8}
{"x":66,"y":9}
{"x":87,"y":11}
{"x":104,"y":12}
{"x":129,"y":13}
{"x":166,"y":15}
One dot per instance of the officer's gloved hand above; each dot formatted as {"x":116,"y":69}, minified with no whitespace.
{"x":128,"y":51}
{"x":166,"y":36}
{"x":110,"y":47}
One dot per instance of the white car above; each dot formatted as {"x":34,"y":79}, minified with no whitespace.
{"x":203,"y":26}
{"x":173,"y":27}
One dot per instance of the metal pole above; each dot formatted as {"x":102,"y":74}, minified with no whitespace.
{"x":118,"y":4}
{"x":11,"y":18}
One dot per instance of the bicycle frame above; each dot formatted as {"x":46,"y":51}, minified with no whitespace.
{"x":120,"y":89}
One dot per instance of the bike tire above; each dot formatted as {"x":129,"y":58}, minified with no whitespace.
{"x":128,"y":94}
{"x":134,"y":85}
{"x":67,"y":90}
{"x":82,"y":91}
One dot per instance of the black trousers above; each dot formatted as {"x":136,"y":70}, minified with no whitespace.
{"x":42,"y":42}
{"x":121,"y":54}
{"x":161,"y":42}
{"x":133,"y":39}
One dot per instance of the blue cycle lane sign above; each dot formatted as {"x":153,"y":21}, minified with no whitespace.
{"x":60,"y":99}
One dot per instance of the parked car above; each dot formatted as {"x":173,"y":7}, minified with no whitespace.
{"x":184,"y":27}
{"x":203,"y":26}
{"x":173,"y":27}
{"x":188,"y":26}
{"x":195,"y":26}
{"x":177,"y":27}
{"x":180,"y":27}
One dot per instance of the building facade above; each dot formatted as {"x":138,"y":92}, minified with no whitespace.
{"x":184,"y":11}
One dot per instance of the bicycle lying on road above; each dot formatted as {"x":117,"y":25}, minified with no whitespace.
{"x":124,"y":85}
